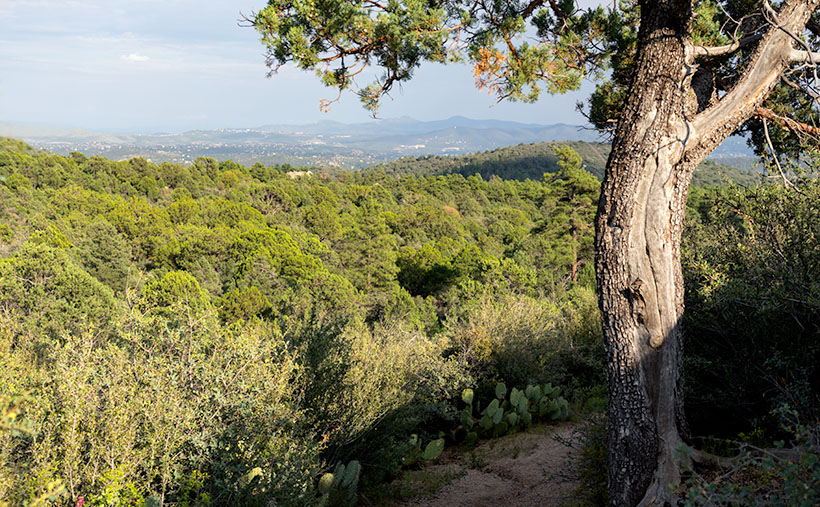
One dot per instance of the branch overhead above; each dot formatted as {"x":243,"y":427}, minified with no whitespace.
{"x":786,"y":122}
{"x":771,"y":57}
{"x":810,"y":57}
{"x":394,"y":38}
{"x":727,"y":49}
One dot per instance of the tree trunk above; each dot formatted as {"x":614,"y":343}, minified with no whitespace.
{"x":638,"y":231}
{"x":667,"y":127}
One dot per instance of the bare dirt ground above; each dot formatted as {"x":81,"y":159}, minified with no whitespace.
{"x":525,"y":469}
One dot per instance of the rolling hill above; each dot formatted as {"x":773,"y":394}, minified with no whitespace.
{"x":531,"y":161}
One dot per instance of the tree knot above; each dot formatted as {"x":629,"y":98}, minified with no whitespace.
{"x":637,"y":302}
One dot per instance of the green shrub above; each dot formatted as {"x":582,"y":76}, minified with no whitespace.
{"x":6,"y":233}
{"x":48,"y":291}
{"x":160,"y":412}
{"x":521,"y":340}
{"x":105,"y":255}
{"x":17,"y":182}
{"x":758,"y":476}
{"x":177,"y":297}
{"x":243,"y":304}
{"x":367,"y":388}
{"x":752,"y":273}
{"x":394,"y":371}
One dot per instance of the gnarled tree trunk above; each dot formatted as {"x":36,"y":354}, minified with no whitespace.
{"x":669,"y":123}
{"x":638,"y":232}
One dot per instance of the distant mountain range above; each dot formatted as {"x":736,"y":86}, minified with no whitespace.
{"x":326,"y":143}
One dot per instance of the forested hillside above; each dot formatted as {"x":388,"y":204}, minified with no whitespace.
{"x":222,"y":334}
{"x":533,"y":160}
{"x":226,"y":333}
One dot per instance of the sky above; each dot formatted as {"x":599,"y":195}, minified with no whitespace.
{"x":176,"y":65}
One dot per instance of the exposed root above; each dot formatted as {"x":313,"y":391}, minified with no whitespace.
{"x":746,"y":451}
{"x":706,"y":458}
{"x":659,"y":494}
{"x":667,"y":478}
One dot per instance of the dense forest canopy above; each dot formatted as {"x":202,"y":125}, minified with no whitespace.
{"x":224,"y":334}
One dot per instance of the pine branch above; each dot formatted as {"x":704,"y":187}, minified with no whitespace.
{"x":786,"y":122}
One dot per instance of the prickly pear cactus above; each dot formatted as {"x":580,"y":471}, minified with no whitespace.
{"x":325,"y":483}
{"x":340,"y":488}
{"x":433,"y":449}
{"x":511,"y":410}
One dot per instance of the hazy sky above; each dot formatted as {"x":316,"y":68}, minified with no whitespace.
{"x":150,"y":65}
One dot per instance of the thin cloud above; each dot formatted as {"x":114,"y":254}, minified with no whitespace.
{"x":134,"y":57}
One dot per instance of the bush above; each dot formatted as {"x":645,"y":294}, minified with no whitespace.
{"x":178,"y":298}
{"x":378,"y":385}
{"x":43,"y":287}
{"x":156,"y":411}
{"x":760,"y":477}
{"x":520,"y":340}
{"x":752,"y":273}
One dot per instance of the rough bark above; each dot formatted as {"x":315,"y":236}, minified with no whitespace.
{"x":638,"y":259}
{"x":666,"y":128}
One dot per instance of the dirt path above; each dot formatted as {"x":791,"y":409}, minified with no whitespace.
{"x":518,"y":470}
